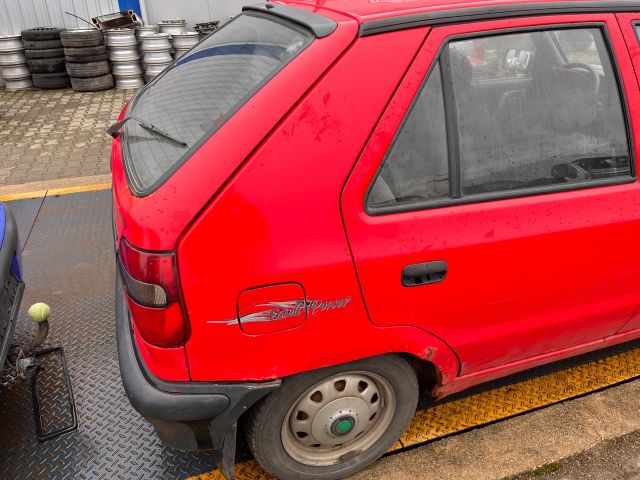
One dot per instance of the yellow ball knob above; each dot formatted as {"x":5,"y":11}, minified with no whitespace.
{"x":39,"y":312}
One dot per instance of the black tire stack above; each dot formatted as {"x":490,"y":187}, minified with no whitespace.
{"x":45,"y":57}
{"x":86,"y":58}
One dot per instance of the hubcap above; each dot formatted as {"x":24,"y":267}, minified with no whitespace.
{"x":342,"y":425}
{"x":338,"y":418}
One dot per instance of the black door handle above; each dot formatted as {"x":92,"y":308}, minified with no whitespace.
{"x":424,"y":273}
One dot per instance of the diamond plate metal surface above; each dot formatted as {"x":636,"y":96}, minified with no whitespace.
{"x":26,"y":212}
{"x":69,"y":264}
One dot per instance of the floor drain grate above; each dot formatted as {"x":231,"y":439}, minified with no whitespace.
{"x":53,"y":404}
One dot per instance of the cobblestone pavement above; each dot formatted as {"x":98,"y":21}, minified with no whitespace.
{"x":56,"y":134}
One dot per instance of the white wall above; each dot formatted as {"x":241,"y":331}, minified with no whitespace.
{"x":17,"y":15}
{"x":195,"y":11}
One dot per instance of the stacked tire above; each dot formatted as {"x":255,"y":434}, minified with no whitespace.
{"x":45,"y":57}
{"x":86,"y":60}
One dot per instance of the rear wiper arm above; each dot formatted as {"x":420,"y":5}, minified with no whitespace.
{"x":115,"y":129}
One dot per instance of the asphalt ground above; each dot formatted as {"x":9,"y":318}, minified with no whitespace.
{"x":615,"y":459}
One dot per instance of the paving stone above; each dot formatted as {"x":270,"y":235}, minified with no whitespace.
{"x":48,"y":135}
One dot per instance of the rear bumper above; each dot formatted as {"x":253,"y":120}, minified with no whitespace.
{"x":189,"y":415}
{"x":11,"y":288}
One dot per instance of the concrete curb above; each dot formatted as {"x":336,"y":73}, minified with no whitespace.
{"x":520,"y":444}
{"x":54,"y":187}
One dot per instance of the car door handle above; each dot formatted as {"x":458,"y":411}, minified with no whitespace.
{"x":424,"y":273}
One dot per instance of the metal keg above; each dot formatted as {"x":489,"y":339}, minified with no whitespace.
{"x":127,"y":69}
{"x":10,"y":43}
{"x":123,"y":54}
{"x":12,"y":58}
{"x":172,"y":27}
{"x":125,"y":58}
{"x":156,"y":42}
{"x":153,"y":71}
{"x":19,"y":84}
{"x":157,"y":54}
{"x":185,"y":40}
{"x":129,"y":83}
{"x":121,"y":37}
{"x":157,"y":58}
{"x":144,"y":31}
{"x":15,"y":72}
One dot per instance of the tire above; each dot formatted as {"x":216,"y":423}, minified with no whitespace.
{"x":46,"y":53}
{"x":41,"y":33}
{"x":82,"y":38}
{"x":50,"y":81}
{"x":86,"y":54}
{"x":87,"y":70}
{"x":46,"y":65}
{"x":269,"y":424}
{"x":85,"y":50}
{"x":95,"y":84}
{"x":87,"y":58}
{"x":41,"y":44}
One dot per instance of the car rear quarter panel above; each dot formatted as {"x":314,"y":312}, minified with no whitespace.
{"x":155,"y":222}
{"x":278,"y":221}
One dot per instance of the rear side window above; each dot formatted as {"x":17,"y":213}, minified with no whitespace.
{"x":417,"y":168}
{"x":202,"y":90}
{"x":528,"y":110}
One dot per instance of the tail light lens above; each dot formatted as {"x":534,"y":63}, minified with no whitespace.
{"x":153,"y":291}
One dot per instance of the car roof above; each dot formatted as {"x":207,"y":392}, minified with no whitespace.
{"x":377,"y":13}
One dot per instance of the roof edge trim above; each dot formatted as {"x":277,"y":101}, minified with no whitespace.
{"x":472,"y":14}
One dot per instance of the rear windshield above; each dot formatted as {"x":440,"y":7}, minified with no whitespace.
{"x":196,"y":95}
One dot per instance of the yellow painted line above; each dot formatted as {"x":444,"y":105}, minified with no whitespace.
{"x":493,"y":405}
{"x":54,"y":191}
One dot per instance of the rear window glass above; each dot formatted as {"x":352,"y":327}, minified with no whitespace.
{"x":198,"y":93}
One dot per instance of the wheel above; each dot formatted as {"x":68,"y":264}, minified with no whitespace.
{"x":83,"y":37}
{"x":46,"y":65}
{"x":41,"y":44}
{"x":330,"y":423}
{"x":45,"y":53}
{"x":95,"y":84}
{"x":50,"y":81}
{"x":41,"y":33}
{"x":88,"y":70}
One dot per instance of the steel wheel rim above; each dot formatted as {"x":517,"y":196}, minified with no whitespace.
{"x":338,"y":418}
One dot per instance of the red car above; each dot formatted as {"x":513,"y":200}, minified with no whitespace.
{"x":328,"y":207}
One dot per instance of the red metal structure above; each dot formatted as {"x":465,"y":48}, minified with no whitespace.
{"x":260,"y":257}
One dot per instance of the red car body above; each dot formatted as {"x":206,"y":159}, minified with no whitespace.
{"x":280,"y":216}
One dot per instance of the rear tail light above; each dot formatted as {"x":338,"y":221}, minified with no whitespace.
{"x":151,"y":281}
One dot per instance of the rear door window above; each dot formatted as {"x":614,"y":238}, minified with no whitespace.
{"x":201,"y":91}
{"x":527,"y":111}
{"x":565,"y":124}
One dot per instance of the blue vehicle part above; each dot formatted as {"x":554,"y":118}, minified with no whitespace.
{"x":11,"y":285}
